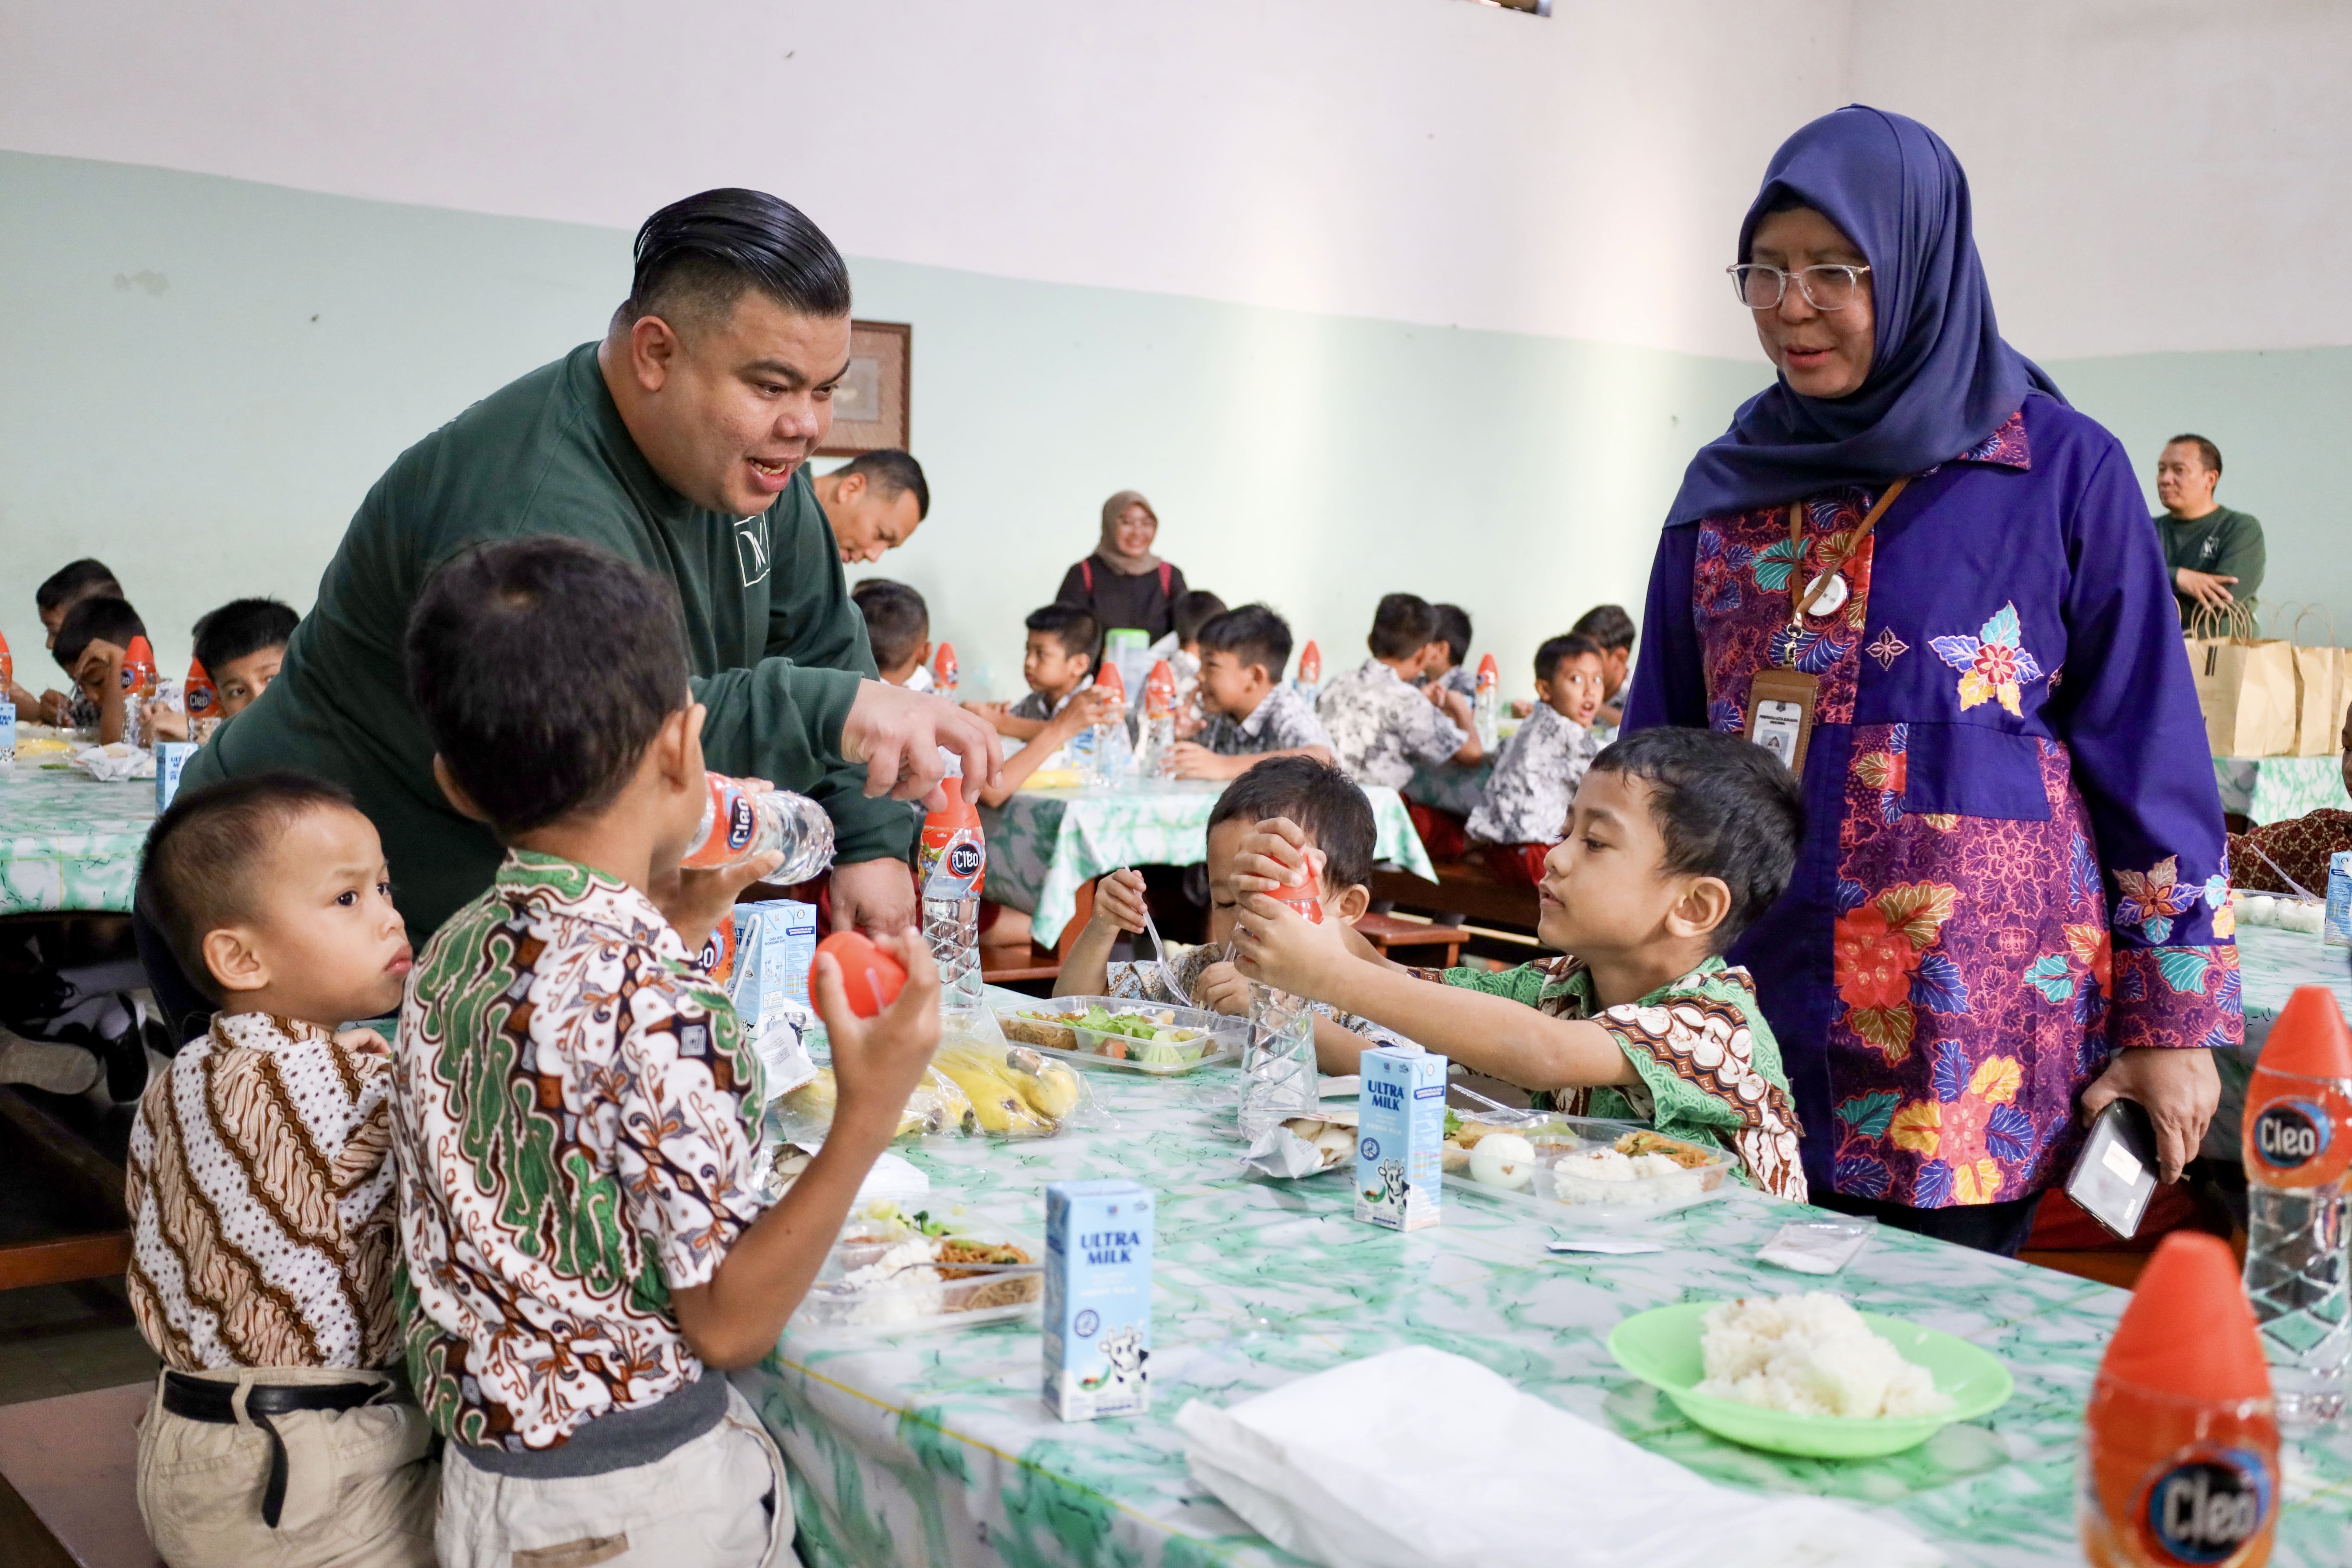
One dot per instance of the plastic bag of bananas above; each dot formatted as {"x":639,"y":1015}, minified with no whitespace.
{"x":972,"y":1088}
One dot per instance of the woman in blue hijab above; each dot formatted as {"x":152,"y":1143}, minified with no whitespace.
{"x":1914,"y":571}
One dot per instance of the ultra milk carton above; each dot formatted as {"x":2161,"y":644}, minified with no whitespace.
{"x":1400,"y":1138}
{"x":762,"y":956}
{"x":1097,"y":1299}
{"x":2336,"y":930}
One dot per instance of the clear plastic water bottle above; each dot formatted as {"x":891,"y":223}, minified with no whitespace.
{"x":2298,"y":1151}
{"x":1110,"y":757}
{"x":1484,"y":716}
{"x":139,"y":685}
{"x":1158,"y":718}
{"x":1278,"y":1077}
{"x":1310,"y":672}
{"x":739,"y":823}
{"x":943,"y":671}
{"x":951,"y":866}
{"x":202,"y":699}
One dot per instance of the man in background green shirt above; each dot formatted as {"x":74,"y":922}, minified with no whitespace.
{"x":678,"y":442}
{"x":2215,"y":555}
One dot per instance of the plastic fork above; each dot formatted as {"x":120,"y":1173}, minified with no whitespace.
{"x":1160,"y":954}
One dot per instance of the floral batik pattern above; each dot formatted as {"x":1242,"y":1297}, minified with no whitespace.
{"x":1992,"y":664}
{"x":1743,"y":589}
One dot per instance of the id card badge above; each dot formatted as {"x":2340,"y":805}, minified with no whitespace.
{"x":1781,"y":714}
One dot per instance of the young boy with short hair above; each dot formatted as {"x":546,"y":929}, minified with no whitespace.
{"x":1057,"y":662}
{"x":898,"y":628}
{"x":1681,"y":840}
{"x":261,"y":1199}
{"x":92,"y":640}
{"x":1612,"y":628}
{"x":1252,"y":711}
{"x":59,"y":592}
{"x":575,"y":1108}
{"x":1453,"y":630}
{"x":1533,"y":786}
{"x":1332,"y":819}
{"x":242,"y":646}
{"x":1381,"y":727}
{"x":1181,"y":649}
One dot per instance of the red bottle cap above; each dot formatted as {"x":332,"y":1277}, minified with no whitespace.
{"x":2186,"y":1330}
{"x":1487,"y":668}
{"x":138,"y":652}
{"x":2309,"y":1040}
{"x":944,"y":665}
{"x":1160,"y":686}
{"x":1311,"y":662}
{"x":1111,"y":680}
{"x":870,"y":978}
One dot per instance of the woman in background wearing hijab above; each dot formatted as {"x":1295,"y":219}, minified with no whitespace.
{"x":1122,"y":584}
{"x":2011,"y":904}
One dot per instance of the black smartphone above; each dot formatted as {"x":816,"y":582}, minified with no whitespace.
{"x":2115,"y":1175}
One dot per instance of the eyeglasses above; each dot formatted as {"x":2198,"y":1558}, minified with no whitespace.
{"x":1760,"y":286}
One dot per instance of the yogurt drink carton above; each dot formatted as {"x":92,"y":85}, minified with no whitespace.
{"x":2338,"y":930}
{"x":774,"y":943}
{"x":1400,"y":1138}
{"x":1097,"y":1299}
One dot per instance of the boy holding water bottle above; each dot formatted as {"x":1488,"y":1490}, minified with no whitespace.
{"x":560,"y":1056}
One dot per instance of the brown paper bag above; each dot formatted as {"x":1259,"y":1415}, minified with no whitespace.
{"x":2246,"y":684}
{"x":2319,"y":670}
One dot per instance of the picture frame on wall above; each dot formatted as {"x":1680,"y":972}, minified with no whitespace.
{"x":870,"y":406}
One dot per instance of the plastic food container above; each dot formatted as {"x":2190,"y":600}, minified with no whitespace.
{"x":1050,"y":1027}
{"x":1583,"y":1186}
{"x":865,"y":1289}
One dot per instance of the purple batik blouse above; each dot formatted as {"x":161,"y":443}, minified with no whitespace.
{"x":2015,"y":862}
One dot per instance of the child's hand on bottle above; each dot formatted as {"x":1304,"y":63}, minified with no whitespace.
{"x":1272,"y":855}
{"x":1222,"y":989}
{"x":877,"y":1061}
{"x":694,"y":901}
{"x":1118,"y":900}
{"x":1275,"y":944}
{"x":1191,"y":759}
{"x":165,"y":722}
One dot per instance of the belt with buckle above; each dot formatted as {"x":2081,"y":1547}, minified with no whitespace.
{"x":214,"y":1402}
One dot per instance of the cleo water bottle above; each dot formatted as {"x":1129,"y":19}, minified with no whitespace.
{"x":1484,"y":717}
{"x":2298,"y":1148}
{"x":2180,"y":1446}
{"x":1278,"y":1079}
{"x":138,"y":690}
{"x":1159,"y":717}
{"x":943,"y":671}
{"x":202,"y":702}
{"x":8,"y":710}
{"x":739,"y":823}
{"x":1108,"y":754}
{"x":950,"y":866}
{"x":1310,"y":672}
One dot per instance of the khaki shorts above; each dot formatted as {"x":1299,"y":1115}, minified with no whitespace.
{"x":719,"y":1501}
{"x":360,"y":1492}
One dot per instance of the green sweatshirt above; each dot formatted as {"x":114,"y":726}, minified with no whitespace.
{"x":776,"y":647}
{"x":2224,"y":542}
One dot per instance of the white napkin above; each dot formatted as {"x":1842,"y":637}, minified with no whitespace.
{"x":1416,"y":1458}
{"x":115,"y":762}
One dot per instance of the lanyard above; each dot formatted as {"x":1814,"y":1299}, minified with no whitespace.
{"x":1801,"y":598}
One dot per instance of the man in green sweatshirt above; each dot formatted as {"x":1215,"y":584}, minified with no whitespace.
{"x":678,"y":442}
{"x":2215,"y":555}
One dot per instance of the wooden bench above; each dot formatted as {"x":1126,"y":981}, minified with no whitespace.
{"x":91,"y":1185}
{"x":1464,"y":887}
{"x":68,"y":1481}
{"x":1390,"y":933}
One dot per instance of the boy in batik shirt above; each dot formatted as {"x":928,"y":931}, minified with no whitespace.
{"x":1528,"y":795}
{"x":1333,"y":819}
{"x":1381,"y":725}
{"x":1680,"y":839}
{"x":576,"y":1108}
{"x":1253,"y":713}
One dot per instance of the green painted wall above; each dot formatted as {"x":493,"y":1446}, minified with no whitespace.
{"x":206,"y":375}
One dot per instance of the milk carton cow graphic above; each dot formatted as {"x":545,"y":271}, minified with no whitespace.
{"x":1388,"y":1198}
{"x":1125,"y":1353}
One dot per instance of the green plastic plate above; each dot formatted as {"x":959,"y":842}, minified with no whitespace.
{"x":1661,"y":1348}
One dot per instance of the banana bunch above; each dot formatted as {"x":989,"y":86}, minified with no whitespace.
{"x":1014,"y":1094}
{"x":938,"y":1105}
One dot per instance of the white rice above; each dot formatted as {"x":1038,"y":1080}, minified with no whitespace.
{"x":1606,"y":1176}
{"x":1811,"y":1356}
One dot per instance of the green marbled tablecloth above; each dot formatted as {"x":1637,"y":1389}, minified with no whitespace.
{"x":1044,"y":843}
{"x":68,"y":842}
{"x":937,"y":1449}
{"x":2271,"y":789}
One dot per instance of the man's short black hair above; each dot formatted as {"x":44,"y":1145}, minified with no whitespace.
{"x":893,"y":473}
{"x":204,"y":854}
{"x":1252,"y":634}
{"x":1318,"y":797}
{"x":1725,"y":807}
{"x":897,"y":622}
{"x":76,"y":580}
{"x":241,"y":628}
{"x":1402,"y":625}
{"x":1567,"y":645}
{"x":695,"y":259}
{"x":1194,"y":610}
{"x":2205,"y":450}
{"x":543,"y":668}
{"x":1607,"y":625}
{"x":1453,"y":631}
{"x":102,"y":617}
{"x":1075,"y":629}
